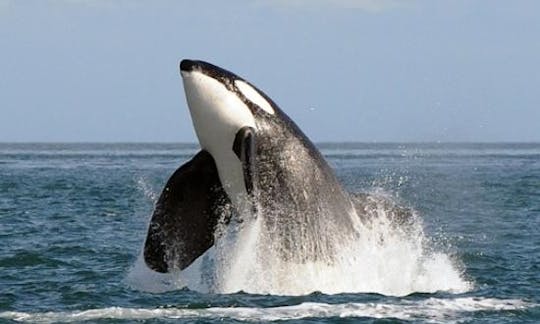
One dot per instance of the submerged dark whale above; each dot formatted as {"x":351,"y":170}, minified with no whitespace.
{"x":254,"y":162}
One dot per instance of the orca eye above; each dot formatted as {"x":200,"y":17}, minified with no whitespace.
{"x":254,"y":96}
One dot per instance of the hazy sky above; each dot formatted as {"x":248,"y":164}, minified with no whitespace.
{"x":344,"y":70}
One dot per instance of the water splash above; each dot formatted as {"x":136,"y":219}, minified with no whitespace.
{"x":435,"y":310}
{"x":390,"y":255}
{"x":144,"y":186}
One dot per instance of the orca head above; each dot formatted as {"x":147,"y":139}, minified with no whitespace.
{"x":221,"y":104}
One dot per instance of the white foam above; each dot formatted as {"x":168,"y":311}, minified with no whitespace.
{"x":431,"y":309}
{"x":237,"y":256}
{"x":383,"y":258}
{"x":142,"y":278}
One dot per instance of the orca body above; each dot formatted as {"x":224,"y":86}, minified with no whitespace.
{"x":254,"y":162}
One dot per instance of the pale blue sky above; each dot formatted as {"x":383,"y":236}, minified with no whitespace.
{"x":344,"y":70}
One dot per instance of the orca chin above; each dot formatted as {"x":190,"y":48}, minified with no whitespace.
{"x":254,"y":163}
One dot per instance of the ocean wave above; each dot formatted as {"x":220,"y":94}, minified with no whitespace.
{"x":430,"y":310}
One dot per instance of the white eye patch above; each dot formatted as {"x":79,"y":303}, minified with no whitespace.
{"x":254,"y":96}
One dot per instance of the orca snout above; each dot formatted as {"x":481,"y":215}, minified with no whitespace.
{"x":211,"y":70}
{"x":188,"y":65}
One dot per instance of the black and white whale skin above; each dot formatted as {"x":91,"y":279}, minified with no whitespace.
{"x":254,"y":162}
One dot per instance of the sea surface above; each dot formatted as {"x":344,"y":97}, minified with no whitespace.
{"x":73,"y":218}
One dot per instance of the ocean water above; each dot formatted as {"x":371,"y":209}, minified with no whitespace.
{"x":73,"y":218}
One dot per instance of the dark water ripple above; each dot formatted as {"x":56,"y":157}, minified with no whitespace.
{"x":73,"y":217}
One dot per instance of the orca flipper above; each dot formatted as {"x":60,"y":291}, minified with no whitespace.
{"x":186,"y":214}
{"x":244,"y":148}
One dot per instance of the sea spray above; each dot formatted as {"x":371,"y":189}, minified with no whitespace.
{"x":390,"y":254}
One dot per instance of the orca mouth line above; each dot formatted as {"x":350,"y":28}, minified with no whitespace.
{"x":248,"y":93}
{"x":189,"y":65}
{"x":207,"y":69}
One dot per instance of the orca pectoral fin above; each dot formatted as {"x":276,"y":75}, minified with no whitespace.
{"x":244,"y":148}
{"x":186,"y":214}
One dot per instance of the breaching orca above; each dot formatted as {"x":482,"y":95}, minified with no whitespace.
{"x":254,"y":162}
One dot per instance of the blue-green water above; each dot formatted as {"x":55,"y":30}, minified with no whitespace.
{"x":73,"y":218}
